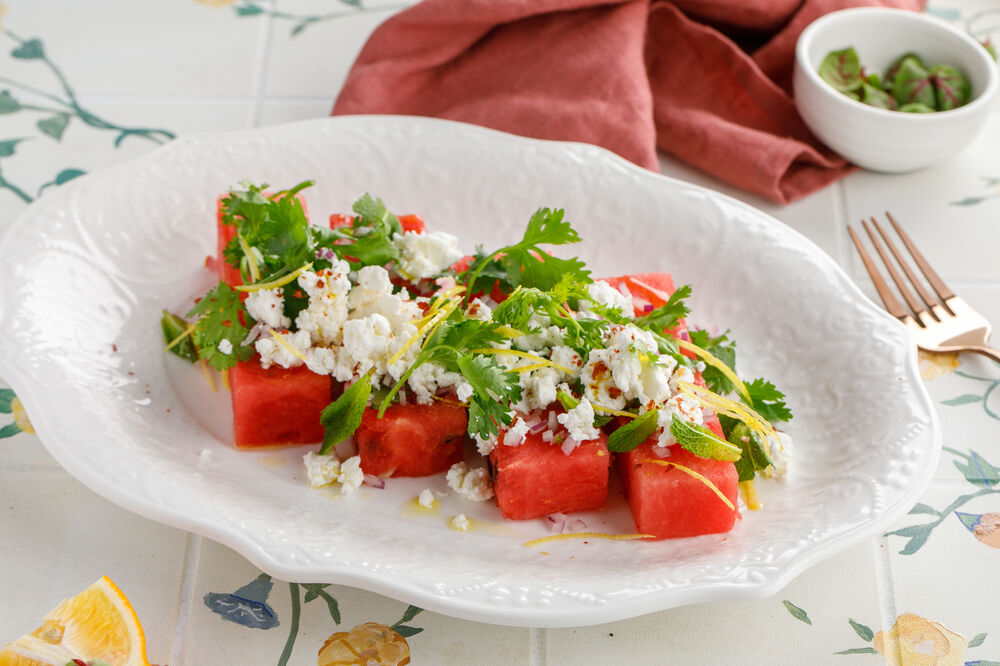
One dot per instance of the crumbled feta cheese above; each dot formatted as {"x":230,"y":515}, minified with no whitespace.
{"x":683,"y":406}
{"x":579,"y":421}
{"x":603,"y":293}
{"x":780,"y":453}
{"x":283,"y":352}
{"x":472,"y":484}
{"x":351,"y":476}
{"x":326,"y":312}
{"x":516,"y":433}
{"x":478,"y":310}
{"x":322,"y":470}
{"x":485,"y":446}
{"x":430,"y":377}
{"x":460,"y":523}
{"x":368,"y":341}
{"x":426,"y":498}
{"x":538,"y":389}
{"x":546,"y":335}
{"x":566,"y":357}
{"x":634,"y":374}
{"x":225,"y":346}
{"x":267,"y":307}
{"x":427,"y":254}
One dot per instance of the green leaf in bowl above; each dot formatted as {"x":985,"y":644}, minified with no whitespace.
{"x":890,"y":74}
{"x":916,"y":107}
{"x":951,"y":88}
{"x":874,"y":96}
{"x":842,"y":70}
{"x":912,"y":83}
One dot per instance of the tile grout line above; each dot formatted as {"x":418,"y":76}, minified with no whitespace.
{"x":536,"y":646}
{"x":840,"y":230}
{"x":264,"y":50}
{"x":887,"y":591}
{"x":189,"y":579}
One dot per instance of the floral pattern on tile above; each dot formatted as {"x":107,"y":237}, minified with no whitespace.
{"x":982,"y":393}
{"x":299,"y":21}
{"x":11,"y":404}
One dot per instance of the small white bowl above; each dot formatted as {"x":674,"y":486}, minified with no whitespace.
{"x":879,"y":139}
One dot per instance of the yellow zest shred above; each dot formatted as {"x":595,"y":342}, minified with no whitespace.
{"x":616,"y":412}
{"x":208,"y":375}
{"x":711,"y":360}
{"x":586,"y":535}
{"x":688,"y":470}
{"x":287,"y":345}
{"x":275,"y":283}
{"x":251,"y":261}
{"x":541,"y":361}
{"x":449,"y":401}
{"x":723,"y":405}
{"x":186,"y":332}
{"x":428,"y":325}
{"x":225,"y":380}
{"x":749,"y":492}
{"x":509,"y":332}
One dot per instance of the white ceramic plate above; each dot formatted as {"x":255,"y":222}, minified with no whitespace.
{"x":85,"y":272}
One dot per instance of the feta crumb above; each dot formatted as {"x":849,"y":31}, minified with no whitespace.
{"x":267,"y":307}
{"x":273,"y":352}
{"x":579,"y":421}
{"x":322,"y":470}
{"x":472,"y":484}
{"x":426,"y":498}
{"x":225,"y":346}
{"x":485,"y":446}
{"x":478,"y":310}
{"x":351,"y":476}
{"x":603,"y":293}
{"x":780,"y":453}
{"x":683,"y":406}
{"x":460,"y":523}
{"x":516,"y":433}
{"x":427,"y":254}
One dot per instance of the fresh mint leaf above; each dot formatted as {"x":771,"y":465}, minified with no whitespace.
{"x":221,"y":317}
{"x":768,"y":401}
{"x":343,"y":416}
{"x":754,"y":454}
{"x":633,"y":433}
{"x":701,"y":441}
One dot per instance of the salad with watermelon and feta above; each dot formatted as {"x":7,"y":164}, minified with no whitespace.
{"x":513,"y":371}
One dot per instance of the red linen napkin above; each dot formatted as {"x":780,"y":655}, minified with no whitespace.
{"x":629,"y":75}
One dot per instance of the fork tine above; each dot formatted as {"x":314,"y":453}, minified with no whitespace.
{"x":936,"y":282}
{"x":928,"y":300}
{"x":888,"y":299}
{"x":906,"y":293}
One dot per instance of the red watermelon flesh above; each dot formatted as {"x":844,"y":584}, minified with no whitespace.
{"x":277,"y":405}
{"x":536,"y":478}
{"x":226,"y":232}
{"x":411,"y":440}
{"x":669,"y":503}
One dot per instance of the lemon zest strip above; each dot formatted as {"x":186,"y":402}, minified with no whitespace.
{"x":587,"y":535}
{"x":430,"y":325}
{"x":616,"y":412}
{"x":541,"y":361}
{"x":688,"y":470}
{"x":251,"y":260}
{"x":186,"y":332}
{"x":225,"y":380}
{"x":718,"y":365}
{"x":277,"y":282}
{"x":749,"y":492}
{"x":208,"y":375}
{"x":724,"y":405}
{"x":287,"y":345}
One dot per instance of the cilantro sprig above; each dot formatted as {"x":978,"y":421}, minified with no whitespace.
{"x":221,"y":318}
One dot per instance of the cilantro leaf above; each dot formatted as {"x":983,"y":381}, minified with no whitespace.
{"x":701,"y":441}
{"x":633,"y":433}
{"x":667,"y":315}
{"x":343,"y":416}
{"x":722,"y":348}
{"x":768,"y":401}
{"x":493,"y":391}
{"x":372,"y":212}
{"x":368,"y":241}
{"x":220,"y":313}
{"x":283,"y":236}
{"x":755,"y":455}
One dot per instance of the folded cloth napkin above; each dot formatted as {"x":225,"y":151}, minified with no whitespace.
{"x":629,"y":75}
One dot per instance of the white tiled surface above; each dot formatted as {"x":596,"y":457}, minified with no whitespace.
{"x":186,"y":67}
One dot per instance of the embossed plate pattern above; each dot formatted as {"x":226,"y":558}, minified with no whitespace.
{"x":86,"y":270}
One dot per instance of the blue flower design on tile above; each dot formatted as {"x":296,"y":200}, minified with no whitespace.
{"x":246,"y":606}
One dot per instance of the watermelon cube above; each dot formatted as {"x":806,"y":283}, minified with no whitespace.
{"x":536,"y":478}
{"x":226,"y":232}
{"x":411,"y":440}
{"x":667,"y":502}
{"x":277,"y":405}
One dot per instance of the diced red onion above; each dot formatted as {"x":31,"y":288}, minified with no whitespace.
{"x":685,"y":336}
{"x":509,"y":441}
{"x":255,"y":333}
{"x":553,"y":421}
{"x":547,"y":436}
{"x":538,"y":427}
{"x":661,"y":452}
{"x":374,"y":481}
{"x":402,"y":396}
{"x":648,"y":307}
{"x":577,"y":525}
{"x":569,"y":445}
{"x":558,"y":521}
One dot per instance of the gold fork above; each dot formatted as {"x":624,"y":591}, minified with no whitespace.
{"x":943,"y":324}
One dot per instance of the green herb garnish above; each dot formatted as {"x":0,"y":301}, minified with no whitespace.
{"x":177,"y":337}
{"x":633,"y":433}
{"x":343,"y":416}
{"x":219,"y":324}
{"x":701,"y":441}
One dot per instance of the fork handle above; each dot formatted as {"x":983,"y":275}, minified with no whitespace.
{"x":988,"y":352}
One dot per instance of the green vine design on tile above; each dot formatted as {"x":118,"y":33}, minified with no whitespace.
{"x":990,"y":184}
{"x":9,"y":404}
{"x":983,"y":398}
{"x":908,"y":635}
{"x":977,"y":471}
{"x":302,"y":21}
{"x":58,"y":111}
